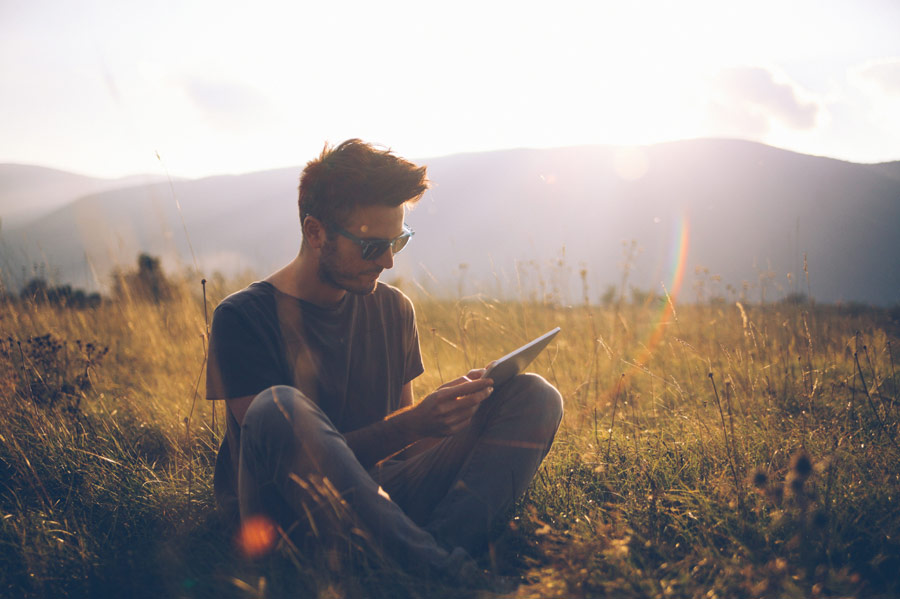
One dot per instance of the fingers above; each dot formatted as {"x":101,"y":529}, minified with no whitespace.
{"x":478,"y":396}
{"x":450,"y":409}
{"x":461,"y":413}
{"x":455,"y":382}
{"x":464,"y":388}
{"x":473,"y":375}
{"x":476,"y":374}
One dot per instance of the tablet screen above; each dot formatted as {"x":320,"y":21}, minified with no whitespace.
{"x":516,"y":361}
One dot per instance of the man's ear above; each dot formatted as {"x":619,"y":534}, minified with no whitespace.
{"x":314,"y":232}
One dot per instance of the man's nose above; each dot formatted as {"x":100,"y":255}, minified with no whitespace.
{"x":386,"y":259}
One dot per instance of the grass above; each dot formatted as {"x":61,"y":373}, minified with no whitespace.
{"x":731,"y":451}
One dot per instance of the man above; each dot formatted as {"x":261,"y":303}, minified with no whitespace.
{"x":316,"y":364}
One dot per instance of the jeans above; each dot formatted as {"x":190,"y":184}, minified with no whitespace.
{"x":429,"y":511}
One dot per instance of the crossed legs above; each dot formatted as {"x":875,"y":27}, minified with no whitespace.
{"x":428,"y":511}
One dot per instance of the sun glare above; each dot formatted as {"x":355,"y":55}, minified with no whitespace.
{"x":428,"y":80}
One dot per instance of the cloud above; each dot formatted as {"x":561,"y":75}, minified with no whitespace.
{"x":885,"y":74}
{"x":746,"y":100}
{"x":226,"y":104}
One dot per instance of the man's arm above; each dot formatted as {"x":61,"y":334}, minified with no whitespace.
{"x":401,"y":441}
{"x":416,"y":427}
{"x":442,"y":413}
{"x":372,"y":443}
{"x":238,"y":407}
{"x":416,"y":447}
{"x":406,"y":396}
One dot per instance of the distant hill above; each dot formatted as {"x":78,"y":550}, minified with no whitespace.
{"x":526,"y":222}
{"x":28,"y":192}
{"x":890,"y":169}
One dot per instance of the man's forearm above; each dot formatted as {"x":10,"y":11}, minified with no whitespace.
{"x":382,"y":439}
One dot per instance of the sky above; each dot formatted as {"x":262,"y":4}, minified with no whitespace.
{"x":196,"y":88}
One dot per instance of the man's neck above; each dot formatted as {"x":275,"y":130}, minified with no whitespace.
{"x":300,"y":278}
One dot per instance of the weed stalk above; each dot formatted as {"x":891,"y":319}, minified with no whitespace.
{"x":612,"y":423}
{"x":872,"y":404}
{"x":729,"y":450}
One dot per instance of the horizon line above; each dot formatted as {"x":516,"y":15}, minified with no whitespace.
{"x":164,"y":174}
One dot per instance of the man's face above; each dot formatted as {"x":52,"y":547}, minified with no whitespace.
{"x":341,"y":264}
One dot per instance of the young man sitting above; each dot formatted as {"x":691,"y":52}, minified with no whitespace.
{"x":316,"y":363}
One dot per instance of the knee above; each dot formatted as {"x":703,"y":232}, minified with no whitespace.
{"x":539,"y":399}
{"x":279,"y":408}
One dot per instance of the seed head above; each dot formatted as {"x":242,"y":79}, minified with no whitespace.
{"x":801,"y":465}
{"x":760,"y":478}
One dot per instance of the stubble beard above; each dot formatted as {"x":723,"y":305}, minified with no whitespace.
{"x":331,"y":274}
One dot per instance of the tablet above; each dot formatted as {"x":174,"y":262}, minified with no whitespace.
{"x":515,"y":362}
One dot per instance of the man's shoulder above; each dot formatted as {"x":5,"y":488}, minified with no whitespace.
{"x":256,"y":296}
{"x":389,"y":295}
{"x":254,"y":292}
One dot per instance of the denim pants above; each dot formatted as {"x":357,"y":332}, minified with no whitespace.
{"x":432,"y":510}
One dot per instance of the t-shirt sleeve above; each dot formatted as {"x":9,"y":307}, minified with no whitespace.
{"x":240,"y":363}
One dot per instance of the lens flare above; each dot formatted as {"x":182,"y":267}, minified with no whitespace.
{"x":257,"y":536}
{"x":676,"y":269}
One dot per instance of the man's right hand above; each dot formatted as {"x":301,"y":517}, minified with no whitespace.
{"x":450,"y":408}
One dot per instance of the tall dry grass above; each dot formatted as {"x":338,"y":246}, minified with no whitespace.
{"x":724,"y":450}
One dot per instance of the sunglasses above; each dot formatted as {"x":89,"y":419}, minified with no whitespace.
{"x":372,"y":248}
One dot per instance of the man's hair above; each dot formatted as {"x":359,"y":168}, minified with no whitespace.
{"x":355,"y":174}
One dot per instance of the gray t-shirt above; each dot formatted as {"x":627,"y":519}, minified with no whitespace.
{"x":352,"y":360}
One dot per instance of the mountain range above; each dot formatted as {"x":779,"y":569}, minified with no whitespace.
{"x":735,"y":218}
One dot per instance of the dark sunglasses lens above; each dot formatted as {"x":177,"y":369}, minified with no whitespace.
{"x":373,"y":249}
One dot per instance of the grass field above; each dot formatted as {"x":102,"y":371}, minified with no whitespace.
{"x":714,"y":450}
